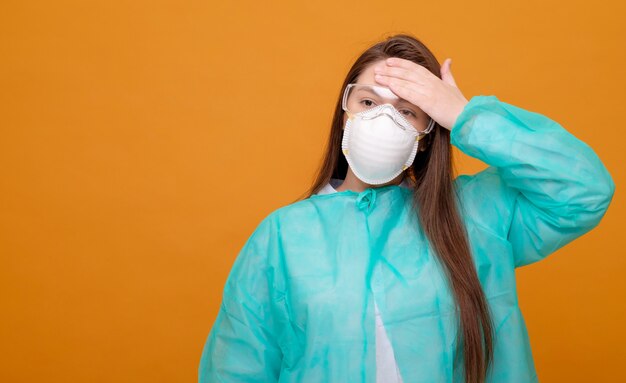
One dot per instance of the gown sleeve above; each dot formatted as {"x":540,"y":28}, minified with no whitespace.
{"x":543,"y":187}
{"x":242,"y":345}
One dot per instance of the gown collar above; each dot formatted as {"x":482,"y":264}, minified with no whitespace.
{"x":335,"y":182}
{"x":366,"y":199}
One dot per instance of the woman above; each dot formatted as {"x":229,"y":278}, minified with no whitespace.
{"x":390,"y":269}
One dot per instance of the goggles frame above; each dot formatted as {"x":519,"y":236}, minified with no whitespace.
{"x":344,"y":106}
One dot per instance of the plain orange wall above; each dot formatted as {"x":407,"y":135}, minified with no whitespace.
{"x":143,"y":141}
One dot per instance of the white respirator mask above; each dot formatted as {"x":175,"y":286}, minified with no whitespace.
{"x":378,"y":142}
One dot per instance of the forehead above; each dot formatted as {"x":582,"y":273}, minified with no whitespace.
{"x":367,"y":75}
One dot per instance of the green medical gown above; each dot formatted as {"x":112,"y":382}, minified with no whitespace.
{"x":298,"y":304}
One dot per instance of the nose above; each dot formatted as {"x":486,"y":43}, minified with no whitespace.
{"x":388,"y":108}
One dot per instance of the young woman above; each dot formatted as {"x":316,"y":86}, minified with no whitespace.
{"x":390,"y":269}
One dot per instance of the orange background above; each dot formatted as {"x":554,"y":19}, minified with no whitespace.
{"x":143,"y":141}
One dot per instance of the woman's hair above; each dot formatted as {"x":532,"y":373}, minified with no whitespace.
{"x":434,"y":194}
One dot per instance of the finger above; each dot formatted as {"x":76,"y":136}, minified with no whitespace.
{"x":446,"y":73}
{"x":398,"y":62}
{"x":404,"y":89}
{"x":401,"y":73}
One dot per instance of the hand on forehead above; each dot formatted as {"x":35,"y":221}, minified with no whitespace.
{"x":367,"y":76}
{"x":383,"y":92}
{"x":438,"y":97}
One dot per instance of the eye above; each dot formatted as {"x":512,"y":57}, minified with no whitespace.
{"x":409,"y":113}
{"x":367,"y":103}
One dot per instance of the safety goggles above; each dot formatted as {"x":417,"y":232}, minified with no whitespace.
{"x":359,"y":98}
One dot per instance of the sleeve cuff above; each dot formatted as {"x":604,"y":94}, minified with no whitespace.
{"x":467,"y":113}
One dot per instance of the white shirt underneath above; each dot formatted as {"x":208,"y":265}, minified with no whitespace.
{"x":386,"y":367}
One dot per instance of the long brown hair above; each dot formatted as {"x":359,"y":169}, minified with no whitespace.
{"x":432,"y":175}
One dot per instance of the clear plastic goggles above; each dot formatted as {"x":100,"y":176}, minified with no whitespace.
{"x":359,"y":98}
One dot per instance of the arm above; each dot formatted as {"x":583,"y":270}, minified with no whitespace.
{"x":556,"y":186}
{"x":242,"y":346}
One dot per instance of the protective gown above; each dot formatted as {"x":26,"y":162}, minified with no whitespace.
{"x":298,"y":304}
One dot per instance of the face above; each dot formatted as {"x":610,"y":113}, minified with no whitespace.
{"x":403,"y":106}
